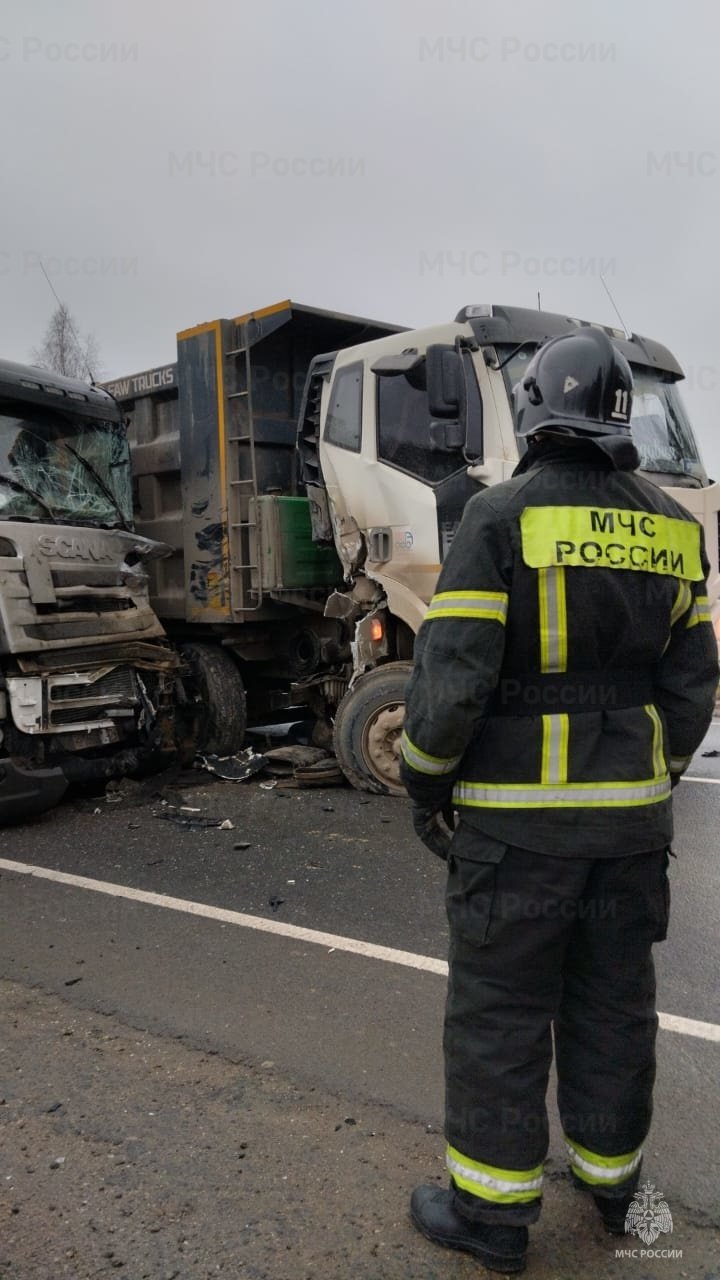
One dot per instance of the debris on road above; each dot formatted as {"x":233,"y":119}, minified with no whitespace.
{"x":326,"y":773}
{"x":237,"y":768}
{"x":304,"y":766}
{"x":275,"y":902}
{"x":282,"y":761}
{"x":190,"y":823}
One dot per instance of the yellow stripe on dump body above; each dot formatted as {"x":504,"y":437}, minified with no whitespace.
{"x":611,"y":538}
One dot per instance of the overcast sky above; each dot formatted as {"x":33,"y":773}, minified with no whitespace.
{"x":174,"y":162}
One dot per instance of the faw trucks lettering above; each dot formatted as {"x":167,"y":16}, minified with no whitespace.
{"x":140,"y":383}
{"x":74,"y":548}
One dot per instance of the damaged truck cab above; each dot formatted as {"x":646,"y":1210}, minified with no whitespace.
{"x":309,"y":471}
{"x":397,"y":435}
{"x":86,"y":680}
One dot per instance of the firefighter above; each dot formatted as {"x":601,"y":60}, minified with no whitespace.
{"x":564,"y":675}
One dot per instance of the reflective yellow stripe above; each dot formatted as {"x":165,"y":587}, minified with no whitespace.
{"x":488,"y":605}
{"x":556,"y":732}
{"x":602,"y":1170}
{"x":553,"y":619}
{"x":424,"y":763}
{"x":699,"y":616}
{"x":683,"y":600}
{"x":573,"y":795}
{"x":700,"y":611}
{"x":611,"y":538}
{"x":504,"y":1186}
{"x":678,"y":764}
{"x":658,"y":748}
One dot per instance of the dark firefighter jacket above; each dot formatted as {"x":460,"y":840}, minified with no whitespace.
{"x":567,"y":664}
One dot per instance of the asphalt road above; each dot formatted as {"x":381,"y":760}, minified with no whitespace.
{"x":356,"y":1032}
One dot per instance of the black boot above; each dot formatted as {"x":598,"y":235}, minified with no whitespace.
{"x":612,"y":1208}
{"x":613,"y":1211}
{"x":499,"y":1248}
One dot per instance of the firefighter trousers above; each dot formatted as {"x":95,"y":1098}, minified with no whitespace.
{"x":541,"y":944}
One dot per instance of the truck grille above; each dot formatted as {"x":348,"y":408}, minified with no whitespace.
{"x":116,"y":684}
{"x":78,"y":699}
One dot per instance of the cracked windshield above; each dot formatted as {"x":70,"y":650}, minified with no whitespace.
{"x":57,"y":468}
{"x":660,"y":425}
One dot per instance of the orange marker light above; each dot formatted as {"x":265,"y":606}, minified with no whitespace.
{"x":377,"y":630}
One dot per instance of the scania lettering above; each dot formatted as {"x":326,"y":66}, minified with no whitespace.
{"x":73,"y":549}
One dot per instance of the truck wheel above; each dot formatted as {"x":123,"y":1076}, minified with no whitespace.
{"x":216,"y":696}
{"x":368,"y":725}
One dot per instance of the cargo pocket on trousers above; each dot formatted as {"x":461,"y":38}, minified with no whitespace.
{"x":471,"y":897}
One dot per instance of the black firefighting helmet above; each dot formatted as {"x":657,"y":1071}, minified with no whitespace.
{"x":579,"y":385}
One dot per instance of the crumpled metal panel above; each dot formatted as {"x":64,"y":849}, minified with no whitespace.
{"x":69,"y":587}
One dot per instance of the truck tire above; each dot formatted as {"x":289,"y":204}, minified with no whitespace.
{"x":216,"y":687}
{"x":368,"y":725}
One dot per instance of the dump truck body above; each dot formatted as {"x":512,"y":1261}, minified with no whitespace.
{"x":213,"y":440}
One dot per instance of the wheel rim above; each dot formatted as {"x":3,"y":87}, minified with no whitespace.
{"x":381,"y":744}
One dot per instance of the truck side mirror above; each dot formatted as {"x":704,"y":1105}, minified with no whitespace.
{"x":444,"y":381}
{"x":446,"y":436}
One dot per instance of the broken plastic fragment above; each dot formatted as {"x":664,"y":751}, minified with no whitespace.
{"x":233,"y":768}
{"x":188,"y":822}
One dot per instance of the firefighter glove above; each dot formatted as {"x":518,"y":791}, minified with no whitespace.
{"x":434,"y":827}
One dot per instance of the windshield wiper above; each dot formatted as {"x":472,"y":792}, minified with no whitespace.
{"x":25,"y":488}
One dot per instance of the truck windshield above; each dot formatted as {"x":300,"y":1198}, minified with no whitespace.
{"x":54,"y":466}
{"x":660,"y":426}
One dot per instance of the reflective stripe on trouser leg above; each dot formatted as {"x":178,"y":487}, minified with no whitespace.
{"x":606,"y":1023}
{"x":602,"y":1171}
{"x":504,"y":986}
{"x":500,"y":1186}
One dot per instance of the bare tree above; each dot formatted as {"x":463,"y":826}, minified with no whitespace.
{"x":63,"y":351}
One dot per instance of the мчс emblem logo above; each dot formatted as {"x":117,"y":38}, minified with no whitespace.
{"x":648,"y":1215}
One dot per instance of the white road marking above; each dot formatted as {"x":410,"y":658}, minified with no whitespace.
{"x":715,"y":782}
{"x":332,"y":941}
